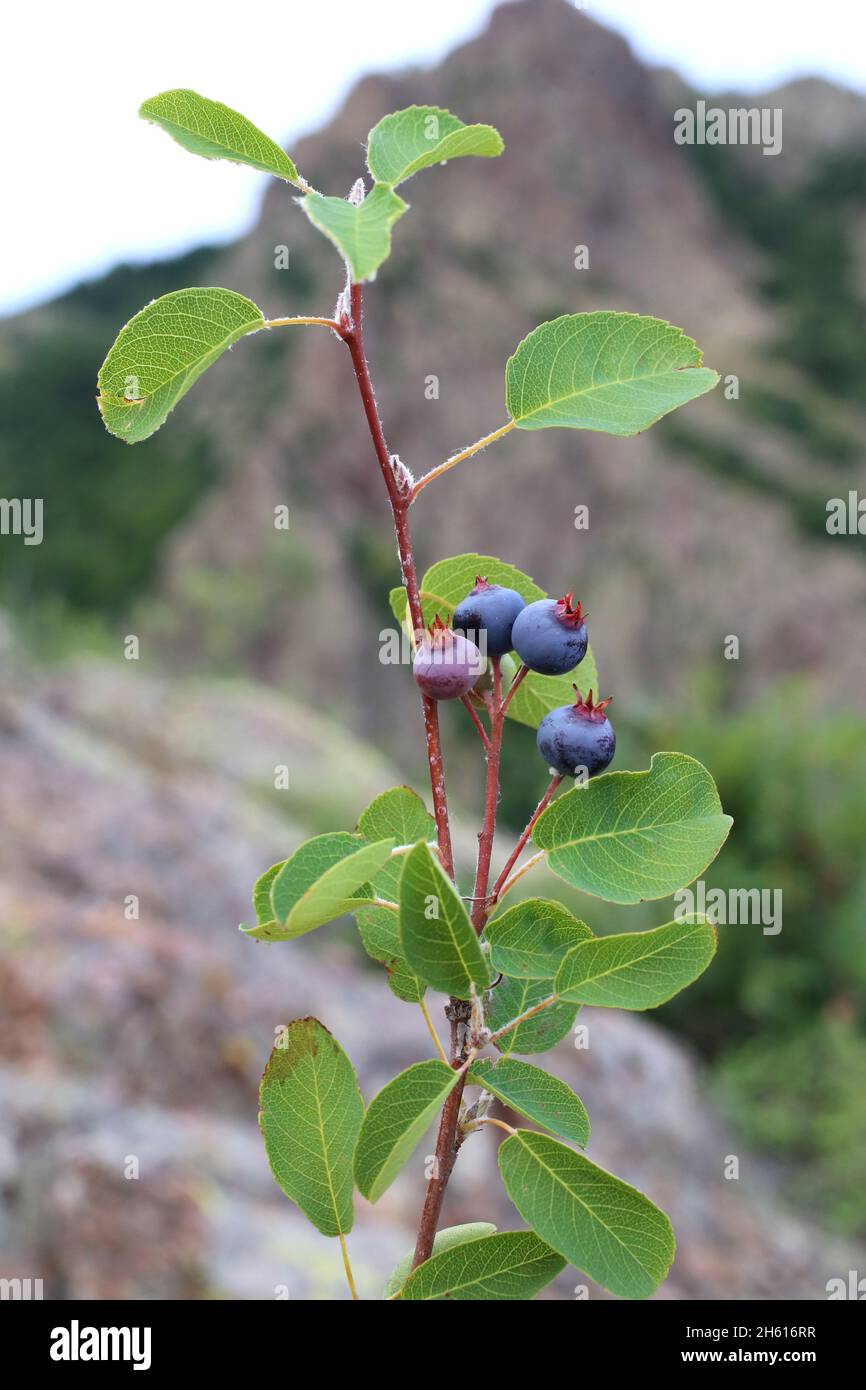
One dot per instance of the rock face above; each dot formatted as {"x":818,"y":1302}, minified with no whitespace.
{"x":130,"y":1162}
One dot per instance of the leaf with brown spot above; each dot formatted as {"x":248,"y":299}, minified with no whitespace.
{"x":311,"y":1112}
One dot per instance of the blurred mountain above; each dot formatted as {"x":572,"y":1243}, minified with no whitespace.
{"x":712,"y":523}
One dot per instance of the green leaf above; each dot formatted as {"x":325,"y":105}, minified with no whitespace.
{"x":511,"y":998}
{"x":215,"y":131}
{"x":311,"y":1112}
{"x":600,"y":1224}
{"x":361,"y":233}
{"x":401,"y":144}
{"x":448,"y":581}
{"x":636,"y":970}
{"x":317,"y":884}
{"x":163,"y":351}
{"x":603,"y":371}
{"x":395,"y":1121}
{"x":402,"y":814}
{"x":379,"y":930}
{"x":631,"y":836}
{"x":437,"y":937}
{"x":535,"y":1094}
{"x":511,"y":1265}
{"x":262,"y":898}
{"x":262,"y":893}
{"x":530,"y":939}
{"x":444,"y":1240}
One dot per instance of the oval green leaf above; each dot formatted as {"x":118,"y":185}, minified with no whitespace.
{"x":396,"y":1120}
{"x":407,"y":141}
{"x":636,"y":970}
{"x":310,"y":1116}
{"x":360,"y":232}
{"x":163,"y":351}
{"x":535,"y":1094}
{"x":513,"y":1265}
{"x":444,"y":1240}
{"x":631,"y":836}
{"x":214,"y":131}
{"x":318,"y":883}
{"x":510,"y":999}
{"x":600,"y":1224}
{"x":530,"y":939}
{"x":437,"y":937}
{"x":262,"y":900}
{"x":448,"y":581}
{"x":614,"y":372}
{"x":400,"y":813}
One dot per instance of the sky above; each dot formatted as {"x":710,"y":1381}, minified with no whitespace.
{"x":89,"y":185}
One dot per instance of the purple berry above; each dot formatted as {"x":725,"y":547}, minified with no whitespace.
{"x":446,"y":664}
{"x":488,"y":609}
{"x":577,"y":736}
{"x":549,"y":636}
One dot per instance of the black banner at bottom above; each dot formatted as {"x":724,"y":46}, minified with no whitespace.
{"x":84,"y":1339}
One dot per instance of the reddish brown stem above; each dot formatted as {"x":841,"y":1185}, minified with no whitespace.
{"x":448,"y":1139}
{"x":515,"y":853}
{"x":482,"y":732}
{"x":491,"y":801}
{"x":399,"y":495}
{"x":521,"y":675}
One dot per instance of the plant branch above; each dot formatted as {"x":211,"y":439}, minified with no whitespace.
{"x":458,"y":458}
{"x":399,"y":497}
{"x":524,"y":869}
{"x":491,"y":801}
{"x":518,"y":848}
{"x":448,"y":1140}
{"x":482,"y":732}
{"x":521,"y":676}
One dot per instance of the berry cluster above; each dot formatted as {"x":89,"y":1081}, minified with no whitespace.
{"x":549,"y":636}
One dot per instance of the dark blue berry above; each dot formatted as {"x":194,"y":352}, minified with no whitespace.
{"x":550,"y":636}
{"x":487,"y":615}
{"x":446,"y":664}
{"x":575,"y":737}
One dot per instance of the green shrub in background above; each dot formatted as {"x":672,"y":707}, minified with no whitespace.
{"x":783,"y":1018}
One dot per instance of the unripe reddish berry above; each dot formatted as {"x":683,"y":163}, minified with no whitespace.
{"x":446,"y":664}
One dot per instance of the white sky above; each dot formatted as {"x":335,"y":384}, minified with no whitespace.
{"x":89,"y":184}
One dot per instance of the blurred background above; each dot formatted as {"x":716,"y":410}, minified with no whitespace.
{"x":137,"y":797}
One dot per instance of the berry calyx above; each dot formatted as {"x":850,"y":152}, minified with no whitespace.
{"x":589,"y":708}
{"x":487,"y":614}
{"x":567,"y":613}
{"x":446,"y":664}
{"x":578,"y":737}
{"x":550,"y":636}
